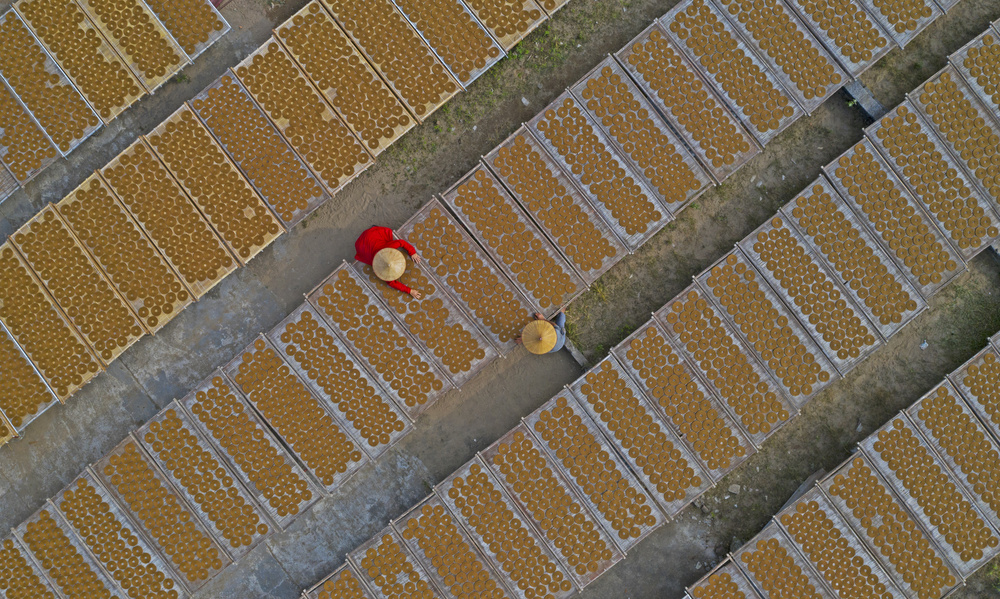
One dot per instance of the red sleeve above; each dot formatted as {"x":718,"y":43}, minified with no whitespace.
{"x":405,"y":245}
{"x":399,"y":286}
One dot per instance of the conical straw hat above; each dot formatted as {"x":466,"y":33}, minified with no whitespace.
{"x":389,"y":264}
{"x":539,"y":336}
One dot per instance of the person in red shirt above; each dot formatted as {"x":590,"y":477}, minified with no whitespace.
{"x":381,"y":242}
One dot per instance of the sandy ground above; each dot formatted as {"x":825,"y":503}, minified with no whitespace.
{"x":427,"y":161}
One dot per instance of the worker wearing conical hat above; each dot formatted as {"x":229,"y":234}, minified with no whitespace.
{"x":542,"y":336}
{"x":379,"y":248}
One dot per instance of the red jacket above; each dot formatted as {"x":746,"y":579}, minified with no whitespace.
{"x":379,"y":238}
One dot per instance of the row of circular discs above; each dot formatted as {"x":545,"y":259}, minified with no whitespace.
{"x":674,"y":387}
{"x":725,"y":364}
{"x":521,"y":166}
{"x":643,"y":438}
{"x":521,"y":556}
{"x":905,"y":231}
{"x":315,"y":350}
{"x":263,"y":464}
{"x":457,"y":262}
{"x":597,"y":168}
{"x":983,"y":64}
{"x":964,"y":441}
{"x":114,"y":544}
{"x":385,"y":348}
{"x":334,"y":65}
{"x":765,"y":105}
{"x":851,"y":256}
{"x":258,"y":149}
{"x":714,"y":131}
{"x":517,"y":246}
{"x":296,"y":414}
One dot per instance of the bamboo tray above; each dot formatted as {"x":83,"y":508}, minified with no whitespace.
{"x":853,"y":67}
{"x":99,"y":471}
{"x":851,"y":310}
{"x":88,"y":283}
{"x":388,"y":537}
{"x":947,"y":444}
{"x":481,"y":228}
{"x":773,"y":533}
{"x":960,"y":177}
{"x":11,"y":354}
{"x":534,"y":421}
{"x":406,"y":42}
{"x":335,"y":127}
{"x":125,"y":527}
{"x":468,"y":275}
{"x":38,"y":577}
{"x":261,"y":152}
{"x":725,"y":573}
{"x":803,"y":335}
{"x":66,"y":574}
{"x":285,"y":341}
{"x":913,"y":504}
{"x":168,"y":11}
{"x":104,"y":56}
{"x":45,"y":312}
{"x":342,"y":78}
{"x":107,"y":249}
{"x":581,"y":580}
{"x":617,"y":161}
{"x":166,"y":233}
{"x":645,"y":378}
{"x":854,"y":543}
{"x":344,"y":575}
{"x":958,"y":58}
{"x":987,"y":116}
{"x":114,"y":35}
{"x":851,"y":219}
{"x":509,"y":38}
{"x":223,"y":439}
{"x":732,"y":396}
{"x":628,"y":59}
{"x":518,"y":521}
{"x":734,"y":103}
{"x":739,"y":22}
{"x":847,"y":513}
{"x":58,"y":101}
{"x":431,"y":557}
{"x":982,"y":401}
{"x":289,"y":436}
{"x":452,"y":36}
{"x":220,"y":474}
{"x":213,"y":208}
{"x":688,"y":459}
{"x":26,"y":131}
{"x":543,"y":213}
{"x":435,"y":384}
{"x":633,"y":97}
{"x":904,"y":38}
{"x":855,"y":203}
